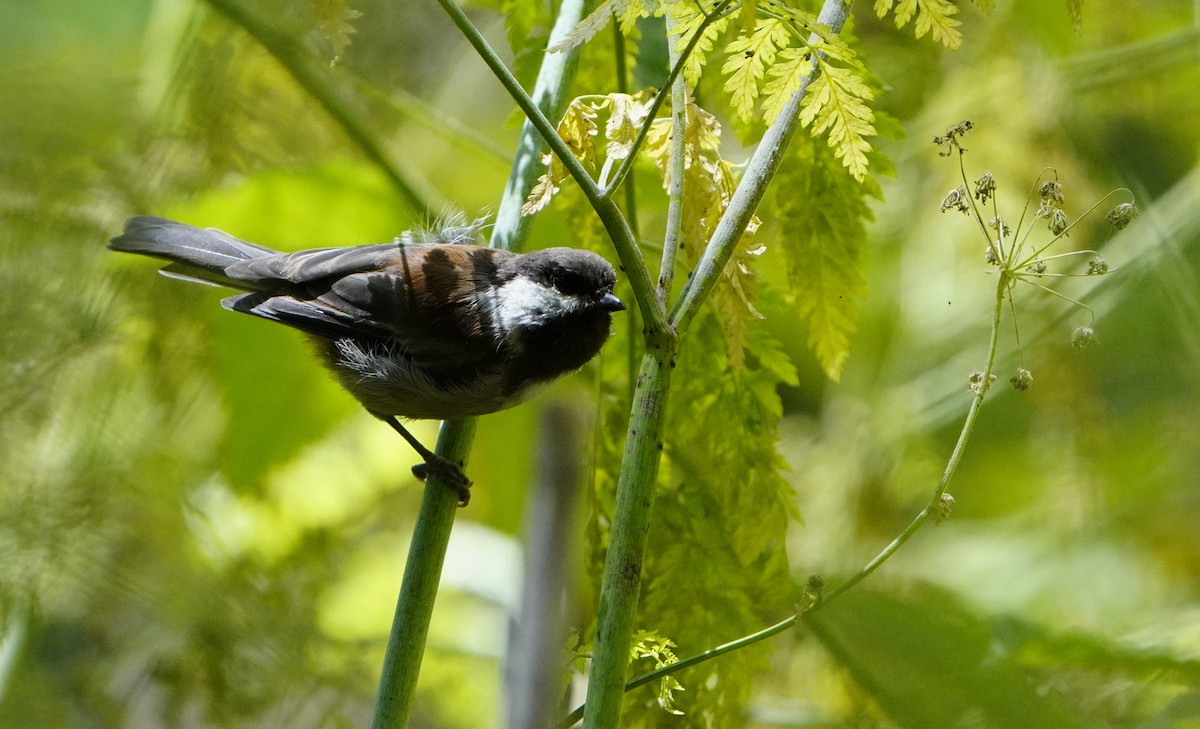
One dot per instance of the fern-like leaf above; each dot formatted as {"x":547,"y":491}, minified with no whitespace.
{"x":578,"y":130}
{"x":785,"y":77}
{"x":686,"y":18}
{"x":595,"y":22}
{"x":836,"y":102}
{"x":626,"y":116}
{"x":749,"y":57}
{"x":650,"y":645}
{"x":823,"y":213}
{"x":634,"y":11}
{"x":935,"y":17}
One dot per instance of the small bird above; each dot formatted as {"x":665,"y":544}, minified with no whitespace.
{"x":426,"y":327}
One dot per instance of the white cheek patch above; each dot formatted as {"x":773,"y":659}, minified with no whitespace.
{"x":522,"y":302}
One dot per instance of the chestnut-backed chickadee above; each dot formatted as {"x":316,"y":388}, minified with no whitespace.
{"x":428,"y":326}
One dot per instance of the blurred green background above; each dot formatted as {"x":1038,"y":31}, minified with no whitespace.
{"x":197,"y":528}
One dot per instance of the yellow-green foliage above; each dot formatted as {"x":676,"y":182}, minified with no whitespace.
{"x":935,"y":17}
{"x":824,"y":215}
{"x":334,"y":19}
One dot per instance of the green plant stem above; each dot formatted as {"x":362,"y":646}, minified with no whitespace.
{"x":422,"y":572}
{"x":955,"y":456}
{"x":931,"y":506}
{"x":674,"y":226}
{"x":627,"y":539}
{"x":550,"y":98}
{"x":633,"y":323}
{"x":639,"y":471}
{"x":299,"y":65}
{"x":606,"y":209}
{"x":631,"y":213}
{"x":750,"y":190}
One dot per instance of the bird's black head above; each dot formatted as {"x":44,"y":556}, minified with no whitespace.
{"x":558,"y":304}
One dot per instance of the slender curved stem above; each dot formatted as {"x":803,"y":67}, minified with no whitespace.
{"x":931,"y":507}
{"x":955,"y":457}
{"x":676,"y":68}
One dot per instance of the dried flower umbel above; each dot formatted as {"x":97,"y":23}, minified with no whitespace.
{"x":1016,"y":253}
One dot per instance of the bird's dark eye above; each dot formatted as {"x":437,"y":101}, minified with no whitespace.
{"x":570,"y":283}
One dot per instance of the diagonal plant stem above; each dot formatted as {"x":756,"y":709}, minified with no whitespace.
{"x":677,"y":63}
{"x":753,"y":185}
{"x":606,"y":208}
{"x":297,"y":62}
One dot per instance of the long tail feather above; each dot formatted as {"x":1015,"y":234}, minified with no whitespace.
{"x":195,"y":253}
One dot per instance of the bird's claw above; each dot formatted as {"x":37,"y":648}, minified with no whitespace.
{"x":451,"y":474}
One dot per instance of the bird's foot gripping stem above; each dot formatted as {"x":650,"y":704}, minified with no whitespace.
{"x":450,"y":472}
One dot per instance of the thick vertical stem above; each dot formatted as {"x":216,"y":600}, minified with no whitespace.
{"x":549,"y":95}
{"x":627,"y":542}
{"x":414,"y":607}
{"x":422,"y":573}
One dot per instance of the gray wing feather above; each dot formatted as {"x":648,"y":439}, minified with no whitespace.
{"x":312,"y":317}
{"x":314,"y":265}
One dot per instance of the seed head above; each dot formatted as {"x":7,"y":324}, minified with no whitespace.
{"x":985,"y":187}
{"x":1022,"y":381}
{"x":950,"y":141}
{"x":943,"y":509}
{"x":976,"y":383}
{"x":1083,"y":337}
{"x":956,"y":199}
{"x":1051,"y":192}
{"x":1122,"y":215}
{"x":1058,"y":222}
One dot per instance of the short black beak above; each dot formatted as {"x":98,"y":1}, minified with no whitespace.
{"x":611,"y":303}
